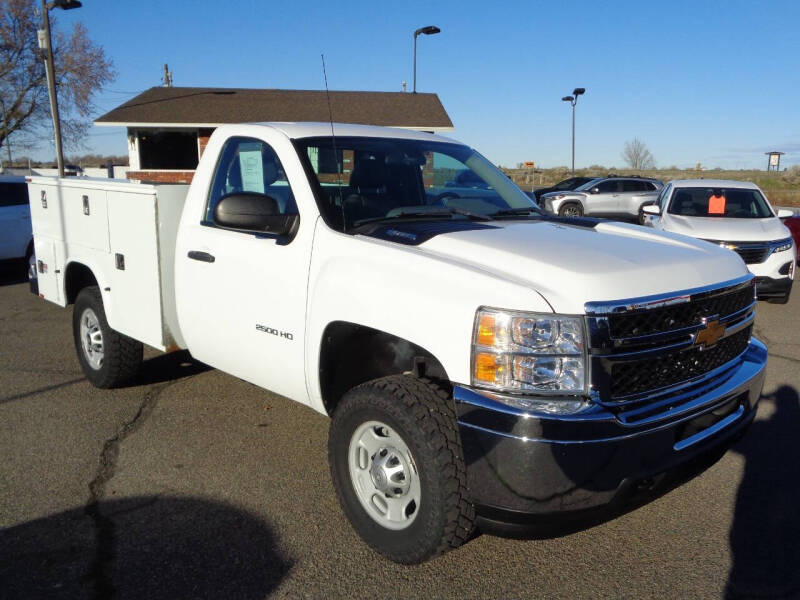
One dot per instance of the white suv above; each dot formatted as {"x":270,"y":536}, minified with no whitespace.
{"x":737,"y":216}
{"x":16,"y":238}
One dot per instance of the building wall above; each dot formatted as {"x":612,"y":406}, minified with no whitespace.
{"x":161,"y":176}
{"x":136,"y":173}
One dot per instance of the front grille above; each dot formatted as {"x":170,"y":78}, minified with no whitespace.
{"x":679,"y":316}
{"x":638,"y":376}
{"x":752,"y":255}
{"x":645,"y":362}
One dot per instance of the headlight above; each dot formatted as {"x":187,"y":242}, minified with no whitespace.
{"x":528,"y":352}
{"x":782,"y":245}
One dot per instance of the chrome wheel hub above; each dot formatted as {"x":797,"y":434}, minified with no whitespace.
{"x":384,"y":475}
{"x":91,"y":339}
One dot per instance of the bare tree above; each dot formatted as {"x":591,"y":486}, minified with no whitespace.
{"x":637,"y":155}
{"x":81,"y":69}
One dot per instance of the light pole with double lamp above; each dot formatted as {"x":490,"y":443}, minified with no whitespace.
{"x":573,"y":100}
{"x":429,"y":30}
{"x":46,"y":44}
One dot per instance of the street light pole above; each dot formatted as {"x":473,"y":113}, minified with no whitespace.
{"x":573,"y":100}
{"x":47,"y":43}
{"x":429,"y":30}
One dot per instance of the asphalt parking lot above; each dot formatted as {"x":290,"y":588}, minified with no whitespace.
{"x":194,"y":484}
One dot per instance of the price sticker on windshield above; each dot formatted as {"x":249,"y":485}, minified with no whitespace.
{"x":716,"y":204}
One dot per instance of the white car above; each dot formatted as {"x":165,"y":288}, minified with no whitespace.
{"x":16,"y":238}
{"x":737,"y":216}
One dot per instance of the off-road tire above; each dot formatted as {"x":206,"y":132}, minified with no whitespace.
{"x":423,"y":414}
{"x":122,"y":355}
{"x":574,"y":208}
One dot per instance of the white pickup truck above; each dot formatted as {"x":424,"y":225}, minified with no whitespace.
{"x":483,"y":363}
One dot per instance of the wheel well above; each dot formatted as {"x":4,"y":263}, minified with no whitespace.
{"x":77,"y":277}
{"x":351,"y":354}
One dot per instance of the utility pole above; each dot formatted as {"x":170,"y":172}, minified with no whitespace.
{"x":167,"y":76}
{"x":45,"y":42}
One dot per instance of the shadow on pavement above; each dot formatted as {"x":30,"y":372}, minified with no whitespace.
{"x":168,"y":367}
{"x":13,"y":272}
{"x":765,"y":535}
{"x":143,"y":547}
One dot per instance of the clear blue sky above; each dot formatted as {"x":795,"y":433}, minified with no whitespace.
{"x":710,"y":82}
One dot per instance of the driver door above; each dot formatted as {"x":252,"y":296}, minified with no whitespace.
{"x":242,"y":295}
{"x":606,"y":200}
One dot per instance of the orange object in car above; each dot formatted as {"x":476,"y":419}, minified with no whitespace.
{"x":716,"y":204}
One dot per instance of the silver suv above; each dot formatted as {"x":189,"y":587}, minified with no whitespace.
{"x":614,"y":197}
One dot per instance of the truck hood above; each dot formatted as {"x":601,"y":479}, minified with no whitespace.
{"x":732,"y":230}
{"x":570,"y":265}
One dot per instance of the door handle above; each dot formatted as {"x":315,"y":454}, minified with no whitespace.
{"x":202,"y":256}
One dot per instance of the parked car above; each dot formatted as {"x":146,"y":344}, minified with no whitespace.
{"x":612,"y":197}
{"x":482,"y":363}
{"x":16,"y":237}
{"x":793,"y":225}
{"x":562,"y":186}
{"x":737,"y":216}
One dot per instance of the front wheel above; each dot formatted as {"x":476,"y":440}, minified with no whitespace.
{"x":570,"y":209}
{"x":108,"y":358}
{"x":398,"y":469}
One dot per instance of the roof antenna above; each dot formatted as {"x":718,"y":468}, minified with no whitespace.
{"x":335,"y":152}
{"x":167,"y":76}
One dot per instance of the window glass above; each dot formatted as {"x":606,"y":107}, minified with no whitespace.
{"x":608,"y":186}
{"x":248,"y":165}
{"x":664,"y":196}
{"x":567,"y":184}
{"x":633,"y":186}
{"x":649,"y":186}
{"x":13,"y":194}
{"x":384,"y":177}
{"x":735,"y":203}
{"x":168,"y":149}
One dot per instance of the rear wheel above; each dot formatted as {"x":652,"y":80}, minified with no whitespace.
{"x":570,"y":209}
{"x":108,"y":358}
{"x":398,"y":469}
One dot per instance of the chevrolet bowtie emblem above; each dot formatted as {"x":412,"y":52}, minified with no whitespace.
{"x":710,"y":335}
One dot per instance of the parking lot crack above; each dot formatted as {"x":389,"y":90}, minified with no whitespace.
{"x":100,"y":571}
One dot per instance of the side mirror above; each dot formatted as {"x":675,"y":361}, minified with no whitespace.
{"x":651,"y":209}
{"x":785,"y":213}
{"x":251,"y":211}
{"x":594,"y":190}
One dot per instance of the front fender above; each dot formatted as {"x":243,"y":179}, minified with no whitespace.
{"x":404,"y":291}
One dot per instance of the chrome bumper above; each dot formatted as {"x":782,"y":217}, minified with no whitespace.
{"x":521,"y":463}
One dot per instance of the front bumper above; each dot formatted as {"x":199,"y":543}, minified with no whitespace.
{"x":769,"y":288}
{"x":521,"y":464}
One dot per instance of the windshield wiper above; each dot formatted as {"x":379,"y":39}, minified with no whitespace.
{"x":445,"y":211}
{"x":518,"y":211}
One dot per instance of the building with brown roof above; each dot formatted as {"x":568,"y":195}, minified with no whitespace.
{"x":168,"y":127}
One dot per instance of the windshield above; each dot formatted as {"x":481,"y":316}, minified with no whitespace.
{"x":734,"y":203}
{"x":588,"y":185}
{"x":368,"y":179}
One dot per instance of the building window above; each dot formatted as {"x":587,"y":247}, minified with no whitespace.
{"x":168,"y":150}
